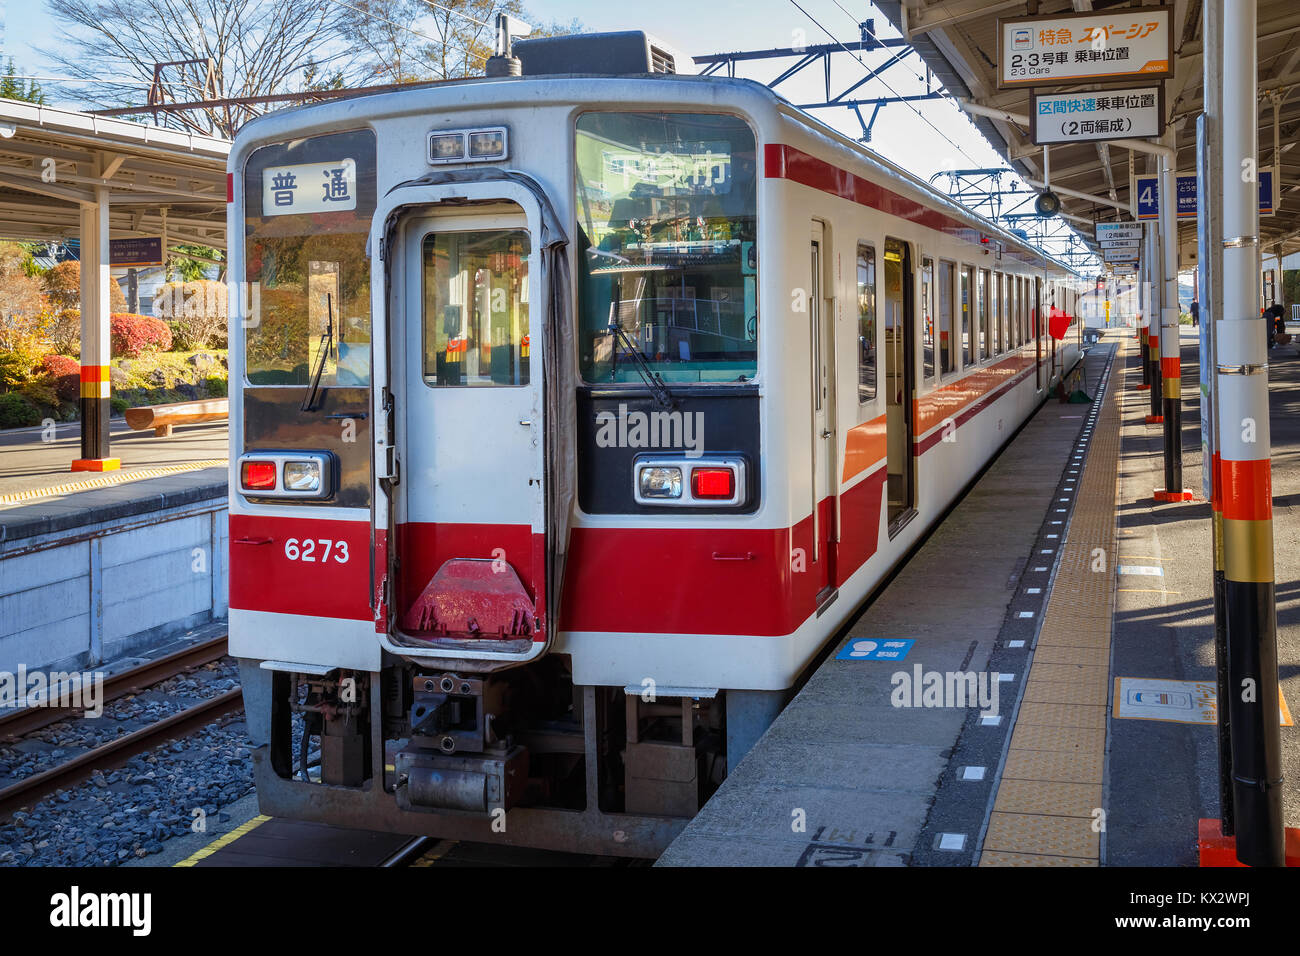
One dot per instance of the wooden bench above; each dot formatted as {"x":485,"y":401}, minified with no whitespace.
{"x":161,"y":418}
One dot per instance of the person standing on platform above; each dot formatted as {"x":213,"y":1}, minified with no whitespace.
{"x":1195,"y":309}
{"x":1276,"y":325}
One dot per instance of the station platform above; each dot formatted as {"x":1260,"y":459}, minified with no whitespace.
{"x":97,"y":566}
{"x":1056,"y":575}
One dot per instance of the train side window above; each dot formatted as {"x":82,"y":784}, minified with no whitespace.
{"x":1000,"y":293}
{"x":927,"y":319}
{"x":986,"y":339}
{"x":968,"y":334}
{"x":947,"y":334}
{"x":867,"y":353}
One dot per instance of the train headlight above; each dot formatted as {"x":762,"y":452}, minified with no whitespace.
{"x":303,"y":476}
{"x":660,"y":482}
{"x":469,"y":145}
{"x":446,"y":147}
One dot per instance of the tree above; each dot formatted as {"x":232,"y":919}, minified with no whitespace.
{"x":14,"y":87}
{"x":257,"y":48}
{"x":405,"y":41}
{"x":63,"y":288}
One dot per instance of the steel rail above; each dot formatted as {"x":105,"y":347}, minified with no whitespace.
{"x":17,"y":723}
{"x":117,"y":752}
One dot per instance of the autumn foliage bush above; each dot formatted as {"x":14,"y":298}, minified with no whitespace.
{"x":133,"y":335}
{"x":65,"y":373}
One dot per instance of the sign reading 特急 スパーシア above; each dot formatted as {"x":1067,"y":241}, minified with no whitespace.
{"x":1106,"y":231}
{"x":1120,"y":44}
{"x":309,"y":187}
{"x":1106,"y":114}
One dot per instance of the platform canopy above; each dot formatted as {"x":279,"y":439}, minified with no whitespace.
{"x":958,"y":39}
{"x":158,"y":181}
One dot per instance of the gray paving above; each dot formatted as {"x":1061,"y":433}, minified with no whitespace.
{"x":33,"y":458}
{"x":843,"y":777}
{"x":1162,"y":776}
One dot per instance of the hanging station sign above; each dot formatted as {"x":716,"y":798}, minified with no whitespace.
{"x":1135,"y":113}
{"x":1120,"y":255}
{"x":1110,"y":231}
{"x":1125,"y":43}
{"x":1146,"y":195}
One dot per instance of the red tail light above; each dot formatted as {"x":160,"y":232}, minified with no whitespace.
{"x":713,"y":482}
{"x":258,"y":475}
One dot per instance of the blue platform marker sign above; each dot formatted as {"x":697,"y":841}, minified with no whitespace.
{"x":875,"y":649}
{"x":1146,"y":190}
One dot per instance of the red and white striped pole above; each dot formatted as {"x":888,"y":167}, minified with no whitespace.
{"x":1144,"y":307}
{"x":1241,"y":389}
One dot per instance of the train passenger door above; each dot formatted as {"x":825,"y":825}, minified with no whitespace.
{"x":900,"y":382}
{"x":825,"y":494}
{"x":470,"y":501}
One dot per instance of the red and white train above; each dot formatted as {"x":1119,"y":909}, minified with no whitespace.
{"x":575,"y":414}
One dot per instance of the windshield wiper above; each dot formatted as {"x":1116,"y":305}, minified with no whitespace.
{"x":662,"y":396}
{"x":326,"y":344}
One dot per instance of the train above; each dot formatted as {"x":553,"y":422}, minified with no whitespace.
{"x":574,"y":409}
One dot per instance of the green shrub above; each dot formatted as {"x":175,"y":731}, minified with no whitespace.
{"x":17,"y":412}
{"x":118,"y":404}
{"x":215,"y":386}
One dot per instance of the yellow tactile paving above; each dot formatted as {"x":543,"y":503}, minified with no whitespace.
{"x":1059,"y":654}
{"x":1052,"y":765}
{"x":1050,"y":798}
{"x":1090,"y":740}
{"x":998,"y":858}
{"x":1050,"y":714}
{"x":105,"y":481}
{"x":1048,"y":803}
{"x":1047,"y":834}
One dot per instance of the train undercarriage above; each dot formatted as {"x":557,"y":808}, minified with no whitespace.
{"x":521,"y":757}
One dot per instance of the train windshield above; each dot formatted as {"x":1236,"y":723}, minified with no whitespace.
{"x":307,"y":213}
{"x":666,"y":207}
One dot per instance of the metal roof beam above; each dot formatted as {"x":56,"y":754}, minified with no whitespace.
{"x":921,"y":19}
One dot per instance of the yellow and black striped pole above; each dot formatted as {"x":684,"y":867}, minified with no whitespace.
{"x":1241,"y":392}
{"x":95,"y":344}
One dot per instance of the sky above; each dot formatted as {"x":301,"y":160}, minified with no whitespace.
{"x":924,"y":137}
{"x":694,"y":28}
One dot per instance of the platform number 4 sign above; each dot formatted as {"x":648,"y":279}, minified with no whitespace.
{"x":1147,"y":191}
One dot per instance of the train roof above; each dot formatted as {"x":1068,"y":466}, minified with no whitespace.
{"x":726,"y":93}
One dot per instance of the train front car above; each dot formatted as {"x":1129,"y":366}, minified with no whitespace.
{"x":548,"y":476}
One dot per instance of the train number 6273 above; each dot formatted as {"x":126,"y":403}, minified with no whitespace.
{"x":306,"y":551}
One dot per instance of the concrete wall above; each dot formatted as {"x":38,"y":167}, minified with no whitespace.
{"x":112,"y":585}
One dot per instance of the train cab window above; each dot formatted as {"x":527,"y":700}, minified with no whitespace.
{"x":867,"y":352}
{"x":947,"y":333}
{"x":475,"y":315}
{"x":308,"y":205}
{"x":928,"y":314}
{"x":968,"y":357}
{"x":982,"y":298}
{"x":667,"y":261}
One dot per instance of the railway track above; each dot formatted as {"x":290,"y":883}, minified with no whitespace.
{"x":115,"y":753}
